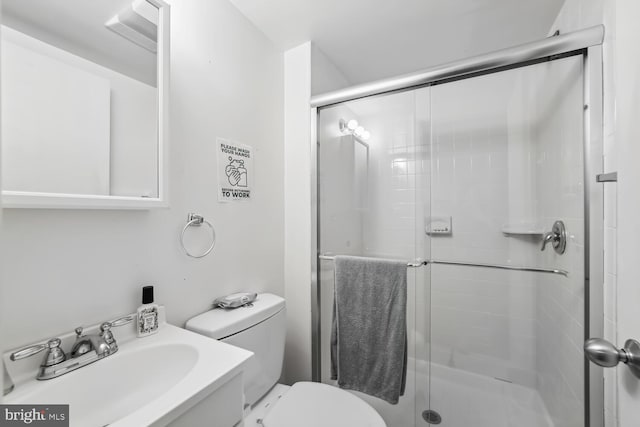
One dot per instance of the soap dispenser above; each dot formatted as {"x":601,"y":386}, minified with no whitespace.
{"x":147,"y":313}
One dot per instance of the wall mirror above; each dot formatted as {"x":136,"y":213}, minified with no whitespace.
{"x":84,"y":103}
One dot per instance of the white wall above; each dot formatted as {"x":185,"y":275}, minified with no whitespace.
{"x":66,"y":268}
{"x":627,"y":72}
{"x":325,"y":76}
{"x":307,"y":71}
{"x":297,"y":212}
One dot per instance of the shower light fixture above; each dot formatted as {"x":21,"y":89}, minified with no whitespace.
{"x":352,"y":127}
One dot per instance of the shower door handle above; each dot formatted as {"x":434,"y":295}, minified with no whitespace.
{"x":603,"y":353}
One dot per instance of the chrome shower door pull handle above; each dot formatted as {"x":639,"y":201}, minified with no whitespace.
{"x":603,"y":353}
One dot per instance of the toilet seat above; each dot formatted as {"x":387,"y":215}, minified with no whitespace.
{"x":320,"y":405}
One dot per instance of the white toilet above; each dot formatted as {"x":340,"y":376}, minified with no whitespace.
{"x":260,"y":328}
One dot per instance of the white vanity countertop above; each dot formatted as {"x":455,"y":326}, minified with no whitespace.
{"x":149,"y":381}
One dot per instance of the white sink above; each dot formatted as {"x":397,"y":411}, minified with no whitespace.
{"x":149,"y":381}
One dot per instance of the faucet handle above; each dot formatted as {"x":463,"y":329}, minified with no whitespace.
{"x":121,"y":321}
{"x":27,"y":352}
{"x":107,"y":335}
{"x":79,"y":330}
{"x":105,"y":327}
{"x":54,"y":354}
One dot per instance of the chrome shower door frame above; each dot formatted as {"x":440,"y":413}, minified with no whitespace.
{"x":594,"y":228}
{"x":587,"y":43}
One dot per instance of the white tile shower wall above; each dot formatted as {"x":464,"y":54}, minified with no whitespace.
{"x":63,"y":268}
{"x":482,"y":319}
{"x":395,"y":217}
{"x":394,"y":213}
{"x":559,"y":191}
{"x":395,"y":162}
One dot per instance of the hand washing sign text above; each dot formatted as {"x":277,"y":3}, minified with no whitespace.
{"x":235,"y":170}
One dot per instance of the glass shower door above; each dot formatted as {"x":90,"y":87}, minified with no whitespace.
{"x":470,"y":175}
{"x":506,"y":162}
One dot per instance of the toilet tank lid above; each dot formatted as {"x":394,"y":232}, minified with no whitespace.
{"x":221,"y":322}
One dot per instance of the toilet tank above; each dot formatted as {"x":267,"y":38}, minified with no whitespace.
{"x":259,"y":328}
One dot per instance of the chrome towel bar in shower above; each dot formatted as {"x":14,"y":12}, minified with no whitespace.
{"x":503,"y":267}
{"x":420,"y":263}
{"x":417,"y":263}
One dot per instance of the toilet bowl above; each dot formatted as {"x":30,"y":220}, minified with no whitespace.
{"x":260,"y":328}
{"x":320,"y":405}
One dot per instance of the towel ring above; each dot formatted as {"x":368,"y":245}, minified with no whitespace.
{"x":197,"y":220}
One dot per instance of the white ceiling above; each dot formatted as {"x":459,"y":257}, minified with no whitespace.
{"x":373,"y":39}
{"x":77,"y":26}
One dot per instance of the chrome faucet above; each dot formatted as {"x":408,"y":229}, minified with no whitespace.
{"x":86,"y":349}
{"x":103,"y":344}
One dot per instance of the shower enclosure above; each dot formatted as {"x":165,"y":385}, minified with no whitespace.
{"x":485,"y":169}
